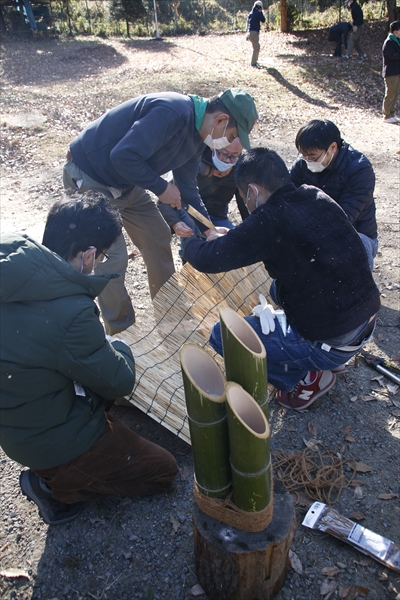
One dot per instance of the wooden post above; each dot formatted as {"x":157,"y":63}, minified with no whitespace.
{"x":236,"y":565}
{"x":284,"y":26}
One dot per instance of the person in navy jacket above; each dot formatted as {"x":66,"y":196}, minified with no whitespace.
{"x":254,"y":20}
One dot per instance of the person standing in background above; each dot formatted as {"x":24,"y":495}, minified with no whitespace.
{"x":358,"y":22}
{"x":254,"y":20}
{"x":391,"y":73}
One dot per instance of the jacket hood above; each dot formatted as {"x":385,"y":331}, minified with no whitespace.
{"x":30,"y":272}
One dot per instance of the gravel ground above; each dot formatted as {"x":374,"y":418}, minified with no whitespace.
{"x":121,"y":549}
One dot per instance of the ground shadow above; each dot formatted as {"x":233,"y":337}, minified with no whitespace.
{"x":296,"y":90}
{"x":149,"y":45}
{"x":49,"y":61}
{"x":111,"y":549}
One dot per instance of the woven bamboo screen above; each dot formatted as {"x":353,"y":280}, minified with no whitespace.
{"x":185,"y":309}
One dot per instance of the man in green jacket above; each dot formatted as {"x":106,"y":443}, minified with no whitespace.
{"x":59,"y":373}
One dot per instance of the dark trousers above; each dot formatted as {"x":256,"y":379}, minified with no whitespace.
{"x":119,"y":463}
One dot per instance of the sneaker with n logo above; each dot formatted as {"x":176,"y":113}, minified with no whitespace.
{"x":307,"y":391}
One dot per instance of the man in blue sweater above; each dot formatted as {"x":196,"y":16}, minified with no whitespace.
{"x":327,"y":294}
{"x":342,"y":172}
{"x":125,"y":152}
{"x":254,"y":20}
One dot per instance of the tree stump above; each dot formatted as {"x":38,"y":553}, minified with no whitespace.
{"x":237,"y":565}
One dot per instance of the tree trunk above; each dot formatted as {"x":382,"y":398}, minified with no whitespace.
{"x":237,"y":565}
{"x":284,"y":26}
{"x":392,"y":11}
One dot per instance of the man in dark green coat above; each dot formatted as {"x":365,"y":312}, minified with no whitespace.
{"x":59,"y":373}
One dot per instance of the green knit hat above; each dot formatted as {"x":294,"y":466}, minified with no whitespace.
{"x":242,"y":108}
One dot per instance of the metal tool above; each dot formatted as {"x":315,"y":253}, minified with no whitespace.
{"x":197,"y":215}
{"x":382,"y":366}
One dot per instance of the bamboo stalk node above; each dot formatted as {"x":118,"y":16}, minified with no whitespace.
{"x":228,"y":513}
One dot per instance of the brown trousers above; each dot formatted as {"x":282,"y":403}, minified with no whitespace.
{"x":119,"y":463}
{"x":392,"y":91}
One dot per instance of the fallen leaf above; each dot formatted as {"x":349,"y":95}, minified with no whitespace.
{"x":356,"y":482}
{"x":381,"y":337}
{"x":396,"y":412}
{"x":335,"y":399}
{"x":184,"y":473}
{"x":356,"y":516}
{"x":369,"y":398}
{"x":295,"y":562}
{"x":353,"y":398}
{"x":379,"y":379}
{"x":395,"y":358}
{"x":387,"y":496}
{"x":175,"y":525}
{"x":14,"y":574}
{"x":350,"y":439}
{"x":330,"y":571}
{"x":311,"y":428}
{"x":4,"y":546}
{"x":392,"y":389}
{"x":312,"y":443}
{"x":358,"y":493}
{"x":361,"y":467}
{"x":328,"y":586}
{"x":347,"y":428}
{"x":342,"y":448}
{"x":350,"y":592}
{"x":396,"y":403}
{"x":197,"y":590}
{"x":301,"y":499}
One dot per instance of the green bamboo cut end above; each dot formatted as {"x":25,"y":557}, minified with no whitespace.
{"x":244,"y":356}
{"x":250,"y":450}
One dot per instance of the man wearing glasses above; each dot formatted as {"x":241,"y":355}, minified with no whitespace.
{"x":217,"y":187}
{"x":125,"y":152}
{"x":59,"y":372}
{"x":329,"y":163}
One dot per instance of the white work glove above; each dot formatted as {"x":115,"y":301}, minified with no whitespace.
{"x":266,"y":313}
{"x":114,"y":338}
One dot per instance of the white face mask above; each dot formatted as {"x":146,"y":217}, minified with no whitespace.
{"x":317,"y":166}
{"x":248,"y":198}
{"x":218,"y":143}
{"x":94,"y":259}
{"x":219,"y":164}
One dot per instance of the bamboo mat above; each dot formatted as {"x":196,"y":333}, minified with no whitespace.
{"x":185,"y":309}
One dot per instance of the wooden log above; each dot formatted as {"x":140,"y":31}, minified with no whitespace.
{"x":236,"y":565}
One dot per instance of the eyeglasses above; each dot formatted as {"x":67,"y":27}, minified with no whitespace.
{"x":105,"y":256}
{"x":309,"y":158}
{"x":227,"y":157}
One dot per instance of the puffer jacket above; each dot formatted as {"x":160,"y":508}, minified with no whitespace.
{"x":51,"y":337}
{"x":350,"y":182}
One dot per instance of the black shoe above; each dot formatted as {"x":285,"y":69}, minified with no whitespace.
{"x":255,"y":65}
{"x":51,"y":510}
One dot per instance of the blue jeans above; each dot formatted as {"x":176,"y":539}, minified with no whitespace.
{"x":289,"y":357}
{"x":371,"y":247}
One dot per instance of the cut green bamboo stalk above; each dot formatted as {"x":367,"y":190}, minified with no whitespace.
{"x":250,"y":450}
{"x":245,"y":357}
{"x":204,"y":385}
